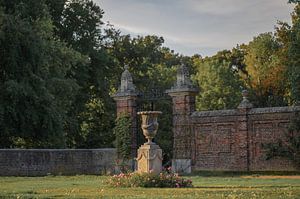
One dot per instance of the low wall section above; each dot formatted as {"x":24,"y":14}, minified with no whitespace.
{"x":40,"y":162}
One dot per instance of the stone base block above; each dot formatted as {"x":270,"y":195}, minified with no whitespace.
{"x":149,"y":158}
{"x":182,"y":165}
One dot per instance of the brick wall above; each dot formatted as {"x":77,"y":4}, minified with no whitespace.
{"x":217,"y":144}
{"x":268,"y":125}
{"x":40,"y":162}
{"x":232,"y":139}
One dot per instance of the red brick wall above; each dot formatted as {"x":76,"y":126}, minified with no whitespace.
{"x":232,"y":139}
{"x":268,"y":125}
{"x":218,"y":142}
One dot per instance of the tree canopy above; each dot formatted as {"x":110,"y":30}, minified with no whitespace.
{"x":35,"y":88}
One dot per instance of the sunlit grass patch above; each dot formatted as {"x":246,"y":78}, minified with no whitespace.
{"x":96,"y":187}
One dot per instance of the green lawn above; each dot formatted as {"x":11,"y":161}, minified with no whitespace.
{"x":204,"y":187}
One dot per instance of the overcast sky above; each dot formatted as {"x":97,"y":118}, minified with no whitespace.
{"x":196,"y":26}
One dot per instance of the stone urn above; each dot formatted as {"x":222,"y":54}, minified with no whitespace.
{"x":149,"y":124}
{"x":149,"y":157}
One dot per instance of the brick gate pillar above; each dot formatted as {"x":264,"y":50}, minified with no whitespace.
{"x":243,"y":133}
{"x":126,"y":104}
{"x":183,"y":97}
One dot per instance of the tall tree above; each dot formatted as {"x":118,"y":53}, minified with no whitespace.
{"x":294,"y":54}
{"x":266,"y":72}
{"x":78,"y":23}
{"x":35,"y":89}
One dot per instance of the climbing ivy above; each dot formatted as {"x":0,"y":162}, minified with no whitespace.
{"x":122,"y":131}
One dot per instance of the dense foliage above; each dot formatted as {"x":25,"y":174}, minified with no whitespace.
{"x":218,"y":80}
{"x":122,"y":132}
{"x":35,"y":88}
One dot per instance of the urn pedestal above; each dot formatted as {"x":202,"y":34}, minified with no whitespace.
{"x":149,"y":157}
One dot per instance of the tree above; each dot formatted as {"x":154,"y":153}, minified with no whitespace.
{"x":266,"y":73}
{"x":79,"y":24}
{"x":219,"y":82}
{"x":294,"y":55}
{"x":294,"y":1}
{"x":35,"y":89}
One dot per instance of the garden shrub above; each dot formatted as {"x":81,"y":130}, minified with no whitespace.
{"x":135,"y":179}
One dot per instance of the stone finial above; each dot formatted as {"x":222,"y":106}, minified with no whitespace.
{"x":127,"y":87}
{"x":245,"y":104}
{"x":183,"y":81}
{"x":126,"y":67}
{"x":245,"y":94}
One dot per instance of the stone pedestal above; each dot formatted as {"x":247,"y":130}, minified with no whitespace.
{"x":149,"y":158}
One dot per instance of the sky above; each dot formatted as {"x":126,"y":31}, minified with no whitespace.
{"x":196,"y":26}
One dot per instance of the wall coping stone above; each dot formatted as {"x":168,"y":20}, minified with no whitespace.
{"x":215,"y":113}
{"x":63,"y":150}
{"x":285,"y":109}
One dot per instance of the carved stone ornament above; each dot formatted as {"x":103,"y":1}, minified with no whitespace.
{"x":245,"y":104}
{"x":182,"y":77}
{"x":149,"y":124}
{"x":127,"y":87}
{"x":149,"y":157}
{"x":183,"y":81}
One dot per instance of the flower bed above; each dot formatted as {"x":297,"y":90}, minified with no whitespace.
{"x":164,"y":179}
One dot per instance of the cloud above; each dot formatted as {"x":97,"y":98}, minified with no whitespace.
{"x":218,"y":7}
{"x":197,"y":26}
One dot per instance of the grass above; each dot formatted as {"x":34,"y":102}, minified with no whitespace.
{"x":204,"y":187}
